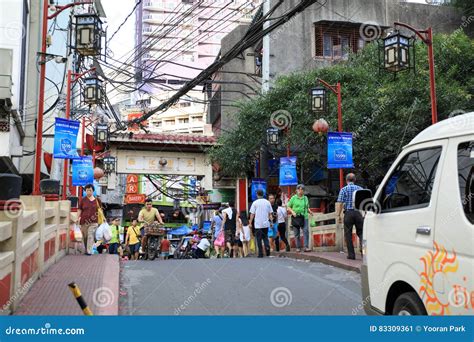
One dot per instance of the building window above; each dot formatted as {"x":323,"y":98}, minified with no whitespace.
{"x":183,"y":121}
{"x":335,"y":40}
{"x":185,"y":104}
{"x":197,"y":118}
{"x":197,"y":132}
{"x":158,"y":123}
{"x":170,"y":122}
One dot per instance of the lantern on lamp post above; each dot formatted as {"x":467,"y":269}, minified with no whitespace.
{"x":102,"y":133}
{"x":109,"y":164}
{"x":93,"y":90}
{"x":273,"y":136}
{"x":319,"y":103}
{"x":88,"y":34}
{"x":397,"y":52}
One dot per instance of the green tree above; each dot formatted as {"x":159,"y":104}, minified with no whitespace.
{"x":382,"y":110}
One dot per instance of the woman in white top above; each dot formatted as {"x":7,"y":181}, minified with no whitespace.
{"x":243,"y":230}
{"x":282,"y":214}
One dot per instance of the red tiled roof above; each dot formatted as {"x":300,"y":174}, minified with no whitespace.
{"x":170,"y":138}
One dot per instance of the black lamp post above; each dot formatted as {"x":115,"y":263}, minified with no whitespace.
{"x":109,"y":164}
{"x":88,"y":34}
{"x":273,"y":136}
{"x":398,"y":52}
{"x":93,"y":90}
{"x":319,"y":102}
{"x":102,"y":133}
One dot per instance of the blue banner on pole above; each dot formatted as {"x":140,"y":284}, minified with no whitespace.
{"x":258,"y":183}
{"x":288,"y":174}
{"x":82,"y":171}
{"x":65,"y":138}
{"x":340,"y":150}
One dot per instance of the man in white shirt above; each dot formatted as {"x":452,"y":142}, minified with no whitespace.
{"x":202,"y":247}
{"x":261,"y":211}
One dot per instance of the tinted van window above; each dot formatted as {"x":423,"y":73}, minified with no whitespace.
{"x":466,"y":177}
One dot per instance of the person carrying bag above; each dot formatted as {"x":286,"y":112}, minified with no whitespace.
{"x":298,"y":207}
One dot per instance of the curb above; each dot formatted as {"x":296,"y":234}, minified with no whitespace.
{"x":315,"y":258}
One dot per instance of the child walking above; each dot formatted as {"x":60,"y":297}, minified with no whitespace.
{"x":244,"y":232}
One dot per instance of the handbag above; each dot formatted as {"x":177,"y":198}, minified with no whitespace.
{"x":219,"y":241}
{"x":100,"y":213}
{"x":77,"y":233}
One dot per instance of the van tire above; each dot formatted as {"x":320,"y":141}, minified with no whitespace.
{"x":410,"y":303}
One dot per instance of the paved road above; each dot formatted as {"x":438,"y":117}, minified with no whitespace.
{"x":250,"y":286}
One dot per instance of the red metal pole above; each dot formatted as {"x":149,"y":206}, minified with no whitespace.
{"x":288,"y":155}
{"x":83,"y":137}
{"x":39,"y":123}
{"x":68,"y":114}
{"x":434,"y":109}
{"x":339,"y":126}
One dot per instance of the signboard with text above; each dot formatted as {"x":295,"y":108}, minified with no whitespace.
{"x":340,"y":150}
{"x":65,"y":138}
{"x":288,"y":174}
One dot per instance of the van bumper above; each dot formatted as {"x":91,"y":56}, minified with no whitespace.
{"x":368,"y":308}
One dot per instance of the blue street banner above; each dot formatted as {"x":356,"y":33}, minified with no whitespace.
{"x":82,"y":171}
{"x":65,"y":138}
{"x":310,"y":328}
{"x":340,"y":150}
{"x":258,"y":183}
{"x":288,"y":171}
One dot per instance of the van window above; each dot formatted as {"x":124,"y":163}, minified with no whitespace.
{"x":411,"y":183}
{"x":466,"y":177}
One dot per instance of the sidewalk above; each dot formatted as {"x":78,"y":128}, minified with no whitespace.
{"x":336,"y":259}
{"x":97,"y":277}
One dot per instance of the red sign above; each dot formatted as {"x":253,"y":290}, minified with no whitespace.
{"x":134,"y":127}
{"x":132,"y":184}
{"x":134,"y":199}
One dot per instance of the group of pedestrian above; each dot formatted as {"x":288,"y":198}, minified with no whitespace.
{"x":232,"y":231}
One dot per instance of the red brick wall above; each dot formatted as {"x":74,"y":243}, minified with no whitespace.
{"x":49,"y":247}
{"x":62,"y":241}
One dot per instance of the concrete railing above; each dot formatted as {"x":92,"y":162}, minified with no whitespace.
{"x":31,"y":240}
{"x":325,"y":234}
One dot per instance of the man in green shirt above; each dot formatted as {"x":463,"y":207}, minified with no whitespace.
{"x":115,"y":240}
{"x":298,"y":207}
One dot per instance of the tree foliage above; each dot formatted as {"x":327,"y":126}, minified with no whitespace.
{"x":382,"y":110}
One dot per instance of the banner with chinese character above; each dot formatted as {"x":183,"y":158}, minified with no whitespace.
{"x":340,"y":150}
{"x":65,"y":138}
{"x":288,"y":174}
{"x":82,"y":171}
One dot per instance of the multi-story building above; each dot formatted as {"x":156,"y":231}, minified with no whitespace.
{"x":175,"y":40}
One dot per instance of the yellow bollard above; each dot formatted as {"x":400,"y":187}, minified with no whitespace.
{"x":80,"y":300}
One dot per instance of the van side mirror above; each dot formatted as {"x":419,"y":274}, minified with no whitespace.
{"x":363,"y":201}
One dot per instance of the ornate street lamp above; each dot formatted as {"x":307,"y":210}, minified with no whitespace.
{"x":93,"y":90}
{"x":88,"y":34}
{"x":319,"y":103}
{"x":102,"y":133}
{"x":273,"y":136}
{"x":109,"y":164}
{"x":398,"y":52}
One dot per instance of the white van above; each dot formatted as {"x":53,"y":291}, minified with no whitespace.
{"x":418,"y":238}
